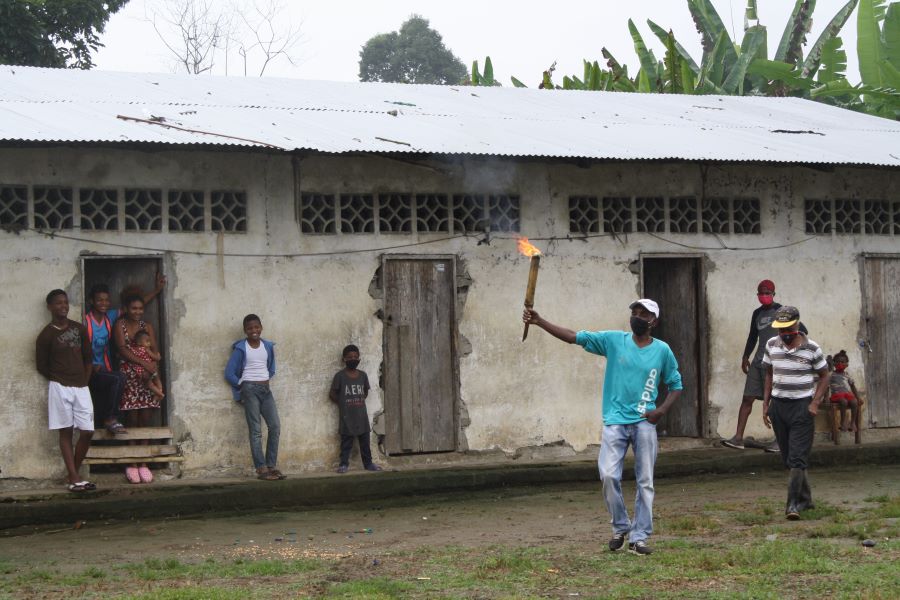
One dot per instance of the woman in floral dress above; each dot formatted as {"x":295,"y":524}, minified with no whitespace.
{"x":138,"y":403}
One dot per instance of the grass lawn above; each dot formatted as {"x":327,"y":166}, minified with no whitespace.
{"x":734,"y":549}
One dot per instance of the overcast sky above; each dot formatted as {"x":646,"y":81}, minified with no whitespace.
{"x":522,"y":37}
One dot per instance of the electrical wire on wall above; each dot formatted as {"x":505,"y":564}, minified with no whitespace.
{"x":480,"y":238}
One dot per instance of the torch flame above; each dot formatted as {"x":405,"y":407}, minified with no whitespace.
{"x":527,"y":248}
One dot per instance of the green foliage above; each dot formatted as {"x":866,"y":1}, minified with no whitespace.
{"x":833,"y":61}
{"x":485,"y":79}
{"x":868,"y":42}
{"x":794,"y":36}
{"x":730,"y":69}
{"x":830,"y":32}
{"x":415,"y":54}
{"x":53,"y":33}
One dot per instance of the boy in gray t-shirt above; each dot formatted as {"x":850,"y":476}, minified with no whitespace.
{"x":349,"y":389}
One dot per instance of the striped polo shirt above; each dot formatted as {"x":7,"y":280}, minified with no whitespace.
{"x":794,"y":371}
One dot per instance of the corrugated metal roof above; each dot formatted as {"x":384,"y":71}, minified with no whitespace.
{"x":59,"y":105}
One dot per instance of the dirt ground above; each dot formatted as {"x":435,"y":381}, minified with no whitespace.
{"x":543,"y":516}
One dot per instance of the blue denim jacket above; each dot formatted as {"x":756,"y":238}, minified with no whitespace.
{"x":235,"y":367}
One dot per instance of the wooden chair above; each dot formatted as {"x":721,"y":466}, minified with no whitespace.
{"x":834,"y":420}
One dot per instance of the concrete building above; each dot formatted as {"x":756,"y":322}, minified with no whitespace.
{"x":387,"y":215}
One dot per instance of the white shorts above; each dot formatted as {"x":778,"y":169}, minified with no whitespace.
{"x":70,"y":407}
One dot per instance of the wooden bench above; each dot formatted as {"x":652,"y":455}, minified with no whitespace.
{"x":115,"y":449}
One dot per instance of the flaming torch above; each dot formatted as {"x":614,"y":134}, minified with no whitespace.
{"x":530,"y":250}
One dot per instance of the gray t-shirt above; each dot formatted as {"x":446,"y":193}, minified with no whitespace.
{"x":351,"y":398}
{"x":765,"y":331}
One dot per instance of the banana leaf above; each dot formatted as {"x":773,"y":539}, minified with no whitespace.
{"x":488,"y":75}
{"x":712,"y":70}
{"x":595,"y":78}
{"x":890,"y":74}
{"x":844,"y":87}
{"x":753,"y":39}
{"x":648,"y":60}
{"x":643,"y":81}
{"x":774,"y":70}
{"x":834,"y":62}
{"x":517,"y":83}
{"x":476,"y":75}
{"x":868,"y":42}
{"x":547,"y":82}
{"x":674,"y":83}
{"x":709,"y":25}
{"x":620,"y":79}
{"x":790,"y":48}
{"x":750,"y":13}
{"x":663,"y":36}
{"x":814,"y":57}
{"x":891,"y":35}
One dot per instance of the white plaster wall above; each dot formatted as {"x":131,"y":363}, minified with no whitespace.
{"x":515,"y":394}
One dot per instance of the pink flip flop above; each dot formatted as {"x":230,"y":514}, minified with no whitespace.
{"x":132,"y":475}
{"x":145,"y":474}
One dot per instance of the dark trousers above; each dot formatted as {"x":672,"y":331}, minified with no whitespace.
{"x":364,"y":450}
{"x":794,"y":428}
{"x":106,"y":391}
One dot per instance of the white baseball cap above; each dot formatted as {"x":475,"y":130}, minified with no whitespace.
{"x":648,"y":304}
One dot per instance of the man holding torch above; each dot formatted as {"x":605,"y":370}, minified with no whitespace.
{"x":635,"y":365}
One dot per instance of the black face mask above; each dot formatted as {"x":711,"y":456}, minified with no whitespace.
{"x":788,"y":338}
{"x":639,"y":326}
{"x":352,"y":364}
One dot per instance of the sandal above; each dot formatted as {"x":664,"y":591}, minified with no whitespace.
{"x":268,"y":476}
{"x":145,"y":474}
{"x":116,"y":428}
{"x":76,"y":488}
{"x":278,"y":473}
{"x":132,"y":475}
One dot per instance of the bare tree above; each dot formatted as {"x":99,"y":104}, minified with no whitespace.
{"x":200,"y":32}
{"x":193,"y":30}
{"x":271,"y":40}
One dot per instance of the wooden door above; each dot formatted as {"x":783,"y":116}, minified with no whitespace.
{"x":420,"y":380}
{"x":882,"y":347}
{"x":676,"y":285}
{"x":121,"y":273}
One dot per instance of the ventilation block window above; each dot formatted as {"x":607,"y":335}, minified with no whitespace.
{"x":186,"y":210}
{"x":13,"y":205}
{"x":357,"y":213}
{"x":395,"y":213}
{"x":52,"y":207}
{"x":99,"y":209}
{"x":228,"y":211}
{"x":317,"y":213}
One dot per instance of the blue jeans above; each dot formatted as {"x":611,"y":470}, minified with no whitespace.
{"x":616,"y":439}
{"x":259,"y":402}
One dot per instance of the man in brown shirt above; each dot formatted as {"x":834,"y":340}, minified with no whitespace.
{"x":63,"y":355}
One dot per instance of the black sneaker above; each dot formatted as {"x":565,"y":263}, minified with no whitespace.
{"x":640,"y":548}
{"x":735,"y":442}
{"x":773,"y":447}
{"x":616,"y":541}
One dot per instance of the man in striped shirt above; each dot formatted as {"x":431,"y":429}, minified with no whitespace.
{"x":791,"y":400}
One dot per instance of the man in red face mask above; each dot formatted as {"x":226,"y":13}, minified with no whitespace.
{"x":761,"y":331}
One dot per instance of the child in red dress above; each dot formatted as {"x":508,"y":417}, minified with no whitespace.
{"x":843,"y":391}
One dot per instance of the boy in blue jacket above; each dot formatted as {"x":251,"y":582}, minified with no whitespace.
{"x":251,"y":366}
